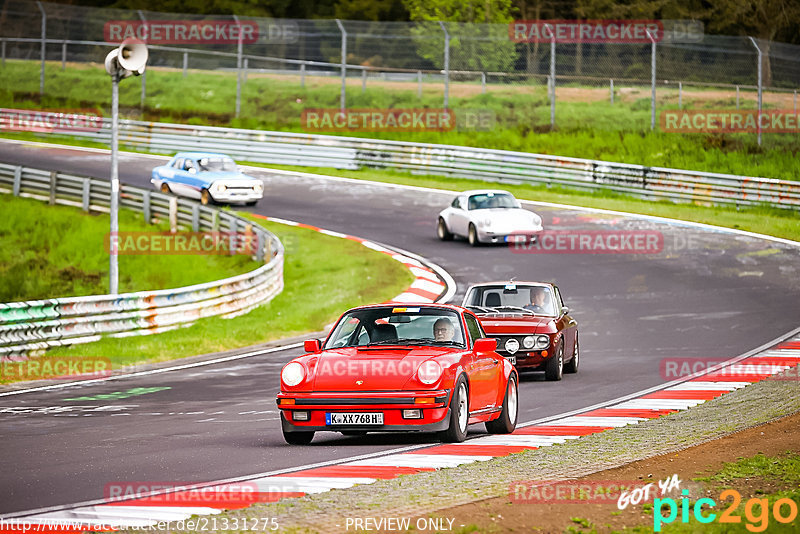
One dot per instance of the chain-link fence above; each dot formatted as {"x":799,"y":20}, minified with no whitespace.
{"x":456,"y":59}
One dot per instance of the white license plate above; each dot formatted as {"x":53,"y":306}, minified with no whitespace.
{"x":512,"y":360}
{"x":516,"y":238}
{"x":344,"y":419}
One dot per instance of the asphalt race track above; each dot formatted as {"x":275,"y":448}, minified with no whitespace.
{"x":706,"y":294}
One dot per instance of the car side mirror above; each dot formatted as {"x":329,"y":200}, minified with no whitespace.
{"x":485,"y":344}
{"x":312,"y":345}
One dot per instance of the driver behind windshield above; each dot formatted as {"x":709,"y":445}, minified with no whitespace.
{"x":539,"y":302}
{"x":443,"y":330}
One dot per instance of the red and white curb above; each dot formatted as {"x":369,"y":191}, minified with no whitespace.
{"x":212,"y":499}
{"x":428,"y":286}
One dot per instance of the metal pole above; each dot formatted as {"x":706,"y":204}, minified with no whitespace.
{"x":244,"y":77}
{"x":680,"y":95}
{"x":737,"y":97}
{"x":113,"y":272}
{"x":794,"y":100}
{"x":4,"y":52}
{"x":363,"y":80}
{"x":64,"y":55}
{"x":44,"y":46}
{"x":611,"y":88}
{"x":652,"y":81}
{"x":238,"y":68}
{"x":343,"y":97}
{"x":552,"y":78}
{"x":419,"y":80}
{"x":483,"y":82}
{"x":144,"y":74}
{"x":758,"y":126}
{"x":302,"y":74}
{"x":185,"y":63}
{"x":446,"y":65}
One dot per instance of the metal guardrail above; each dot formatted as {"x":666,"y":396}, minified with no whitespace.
{"x":651,"y":183}
{"x":32,"y":326}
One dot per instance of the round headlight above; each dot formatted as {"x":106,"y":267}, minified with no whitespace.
{"x":512,"y":345}
{"x":220,"y":188}
{"x":542,"y":342}
{"x":293,"y":374}
{"x":528,"y":342}
{"x":429,"y":372}
{"x":259,"y":187}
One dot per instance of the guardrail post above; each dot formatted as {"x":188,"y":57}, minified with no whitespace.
{"x":64,"y":55}
{"x":214,"y":221}
{"x":17,"y":181}
{"x":652,"y":80}
{"x":146,"y":207}
{"x":44,"y":46}
{"x":195,"y":217}
{"x":87,"y":194}
{"x":419,"y":84}
{"x":238,"y":67}
{"x":483,"y":82}
{"x":303,"y":74}
{"x":53,"y":178}
{"x":185,"y":63}
{"x":611,"y":90}
{"x":363,"y":80}
{"x":737,"y":97}
{"x":758,"y":126}
{"x":342,"y":98}
{"x":446,"y":65}
{"x":173,"y":214}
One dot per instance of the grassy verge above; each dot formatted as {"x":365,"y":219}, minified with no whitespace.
{"x":761,"y":219}
{"x":323,"y":276}
{"x":586,"y":126}
{"x":59,"y":251}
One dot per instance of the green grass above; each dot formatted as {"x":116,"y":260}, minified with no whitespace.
{"x":594,"y":130}
{"x":323,"y":276}
{"x":60,"y":251}
{"x":760,"y":219}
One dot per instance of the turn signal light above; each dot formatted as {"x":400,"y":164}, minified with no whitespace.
{"x":544,"y":353}
{"x":424,"y":400}
{"x":285,"y":401}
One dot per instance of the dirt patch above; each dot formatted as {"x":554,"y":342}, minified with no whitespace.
{"x":503,"y":514}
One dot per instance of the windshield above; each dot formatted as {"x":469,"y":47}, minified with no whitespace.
{"x":486,"y":201}
{"x":217,"y":164}
{"x":511,"y":298}
{"x":397,"y":326}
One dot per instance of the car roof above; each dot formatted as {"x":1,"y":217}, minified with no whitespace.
{"x":196,"y":155}
{"x":514,"y":282}
{"x":452,"y":307}
{"x":483,"y":192}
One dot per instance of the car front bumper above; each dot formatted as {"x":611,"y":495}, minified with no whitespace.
{"x":490,"y":236}
{"x":232,"y":196}
{"x":434,"y":409}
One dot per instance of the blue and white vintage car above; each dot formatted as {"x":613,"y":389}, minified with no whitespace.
{"x":209,"y":177}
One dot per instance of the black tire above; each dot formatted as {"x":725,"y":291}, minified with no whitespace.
{"x":442,"y":231}
{"x":298,"y":438}
{"x":459,"y":413}
{"x":572,"y":365}
{"x":472,"y":236}
{"x":554,"y":369}
{"x":165,"y":189}
{"x":507,"y":422}
{"x":205,"y":197}
{"x":251,"y":203}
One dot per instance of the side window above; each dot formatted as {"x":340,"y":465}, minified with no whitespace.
{"x":475,"y":330}
{"x":189,"y":164}
{"x":559,"y":302}
{"x":456,"y":203}
{"x":178,"y":163}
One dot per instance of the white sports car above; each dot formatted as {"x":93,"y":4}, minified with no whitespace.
{"x":488,"y":216}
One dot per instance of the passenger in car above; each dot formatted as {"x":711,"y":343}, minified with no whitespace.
{"x":443,"y":330}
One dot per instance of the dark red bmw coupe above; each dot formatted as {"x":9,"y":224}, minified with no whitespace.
{"x":410,"y":367}
{"x":533,"y":328}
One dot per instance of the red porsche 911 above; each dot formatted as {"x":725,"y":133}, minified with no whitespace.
{"x":408,"y":368}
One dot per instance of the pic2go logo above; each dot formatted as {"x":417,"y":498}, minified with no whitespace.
{"x":756,"y":511}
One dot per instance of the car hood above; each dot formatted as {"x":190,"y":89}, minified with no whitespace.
{"x":509,"y":218}
{"x":229,"y":177}
{"x":517,"y":325}
{"x":377,"y":369}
